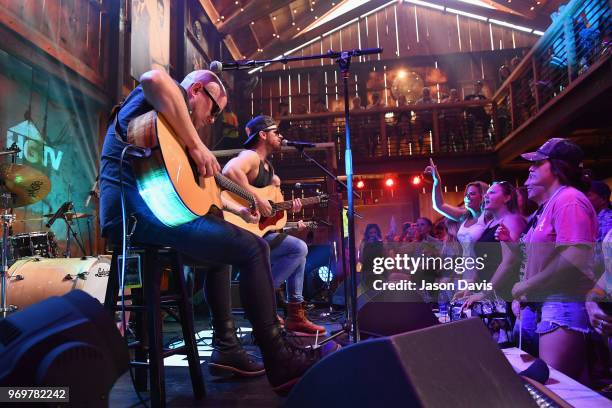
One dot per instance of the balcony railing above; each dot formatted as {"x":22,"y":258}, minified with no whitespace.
{"x":411,"y":130}
{"x":577,"y":42}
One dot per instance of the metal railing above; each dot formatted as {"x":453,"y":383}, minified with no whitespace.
{"x":411,"y":130}
{"x":577,"y":42}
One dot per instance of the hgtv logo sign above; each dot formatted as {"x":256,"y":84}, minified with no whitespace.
{"x":32,"y":146}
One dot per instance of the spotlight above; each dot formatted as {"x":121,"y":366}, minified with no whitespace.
{"x":416,"y":181}
{"x":320,"y":279}
{"x":325,"y":274}
{"x":360,"y":184}
{"x":389,"y":182}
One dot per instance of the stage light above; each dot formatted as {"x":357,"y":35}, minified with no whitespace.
{"x":416,"y":181}
{"x":402,"y":74}
{"x":389,"y":182}
{"x":360,"y":184}
{"x":325,"y":274}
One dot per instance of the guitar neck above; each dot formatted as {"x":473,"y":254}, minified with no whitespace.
{"x":294,"y":224}
{"x":287,"y":205}
{"x":227,"y":184}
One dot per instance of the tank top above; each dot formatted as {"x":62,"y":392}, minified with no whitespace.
{"x":467,"y":237}
{"x":264,"y":176}
{"x":492,"y":250}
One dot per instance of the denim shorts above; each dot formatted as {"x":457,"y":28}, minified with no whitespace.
{"x":569,"y":315}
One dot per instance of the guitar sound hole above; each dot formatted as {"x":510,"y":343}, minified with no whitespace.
{"x":194,"y":168}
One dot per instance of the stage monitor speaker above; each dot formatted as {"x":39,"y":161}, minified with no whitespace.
{"x":385,"y":313}
{"x":455,"y":364}
{"x":68,"y":341}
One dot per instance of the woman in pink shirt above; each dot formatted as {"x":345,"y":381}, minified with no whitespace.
{"x":559,"y":256}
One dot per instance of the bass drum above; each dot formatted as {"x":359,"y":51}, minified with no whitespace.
{"x":34,"y":279}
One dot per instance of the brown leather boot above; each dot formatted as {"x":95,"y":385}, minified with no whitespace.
{"x":296,"y":321}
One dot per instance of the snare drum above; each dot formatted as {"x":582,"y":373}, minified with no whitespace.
{"x":34,"y":279}
{"x":34,"y":244}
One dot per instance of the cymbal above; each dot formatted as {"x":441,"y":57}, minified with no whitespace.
{"x":70,"y":215}
{"x":26,"y":184}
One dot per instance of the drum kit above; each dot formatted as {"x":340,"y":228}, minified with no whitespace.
{"x":31,"y":267}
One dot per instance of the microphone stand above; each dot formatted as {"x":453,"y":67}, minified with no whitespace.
{"x":343,"y":59}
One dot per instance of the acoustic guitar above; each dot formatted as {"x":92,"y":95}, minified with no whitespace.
{"x":278,"y":219}
{"x":168,"y":180}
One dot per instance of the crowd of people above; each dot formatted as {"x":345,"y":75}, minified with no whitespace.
{"x":547,"y":246}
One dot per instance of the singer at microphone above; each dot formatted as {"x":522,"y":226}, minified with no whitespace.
{"x":297,"y":144}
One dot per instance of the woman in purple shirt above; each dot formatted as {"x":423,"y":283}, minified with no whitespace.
{"x":559,"y":256}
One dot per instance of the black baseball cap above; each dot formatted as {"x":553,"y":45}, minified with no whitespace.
{"x":557,"y":148}
{"x":256,"y":125}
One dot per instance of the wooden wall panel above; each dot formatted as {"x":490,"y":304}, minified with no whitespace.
{"x":475,"y":35}
{"x":70,"y":31}
{"x":349,"y":37}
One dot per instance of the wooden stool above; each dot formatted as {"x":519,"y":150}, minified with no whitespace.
{"x":149,"y":302}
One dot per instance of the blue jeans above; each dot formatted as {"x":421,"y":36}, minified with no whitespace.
{"x":210,"y":239}
{"x":288,"y":261}
{"x":530,"y":339}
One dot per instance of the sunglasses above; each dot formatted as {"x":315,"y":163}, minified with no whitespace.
{"x":216,"y":109}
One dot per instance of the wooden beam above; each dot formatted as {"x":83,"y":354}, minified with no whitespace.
{"x":15,"y":24}
{"x":292,"y":38}
{"x":211,"y":11}
{"x":17,"y":46}
{"x":253,"y":11}
{"x":288,"y":37}
{"x":232,"y":47}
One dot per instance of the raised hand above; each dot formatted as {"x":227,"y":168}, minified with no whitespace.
{"x":432,"y":170}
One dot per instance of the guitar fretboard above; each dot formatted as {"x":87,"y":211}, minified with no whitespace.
{"x":287,"y":205}
{"x":229,"y":185}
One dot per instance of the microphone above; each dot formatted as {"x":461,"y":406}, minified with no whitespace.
{"x":537,"y":371}
{"x":298,"y":144}
{"x":298,"y":186}
{"x":60,"y":212}
{"x":218,"y":66}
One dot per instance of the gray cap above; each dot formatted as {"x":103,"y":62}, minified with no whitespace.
{"x":557,"y":148}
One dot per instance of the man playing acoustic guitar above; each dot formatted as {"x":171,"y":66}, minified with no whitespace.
{"x":251,"y":168}
{"x":187,"y":108}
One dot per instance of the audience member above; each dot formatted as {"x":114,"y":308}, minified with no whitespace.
{"x":476,"y":116}
{"x":319,"y":106}
{"x":502,"y":260}
{"x":376,"y":101}
{"x":471,"y":216}
{"x":559,"y":256}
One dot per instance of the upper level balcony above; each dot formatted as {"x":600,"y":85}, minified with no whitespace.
{"x":561,"y":88}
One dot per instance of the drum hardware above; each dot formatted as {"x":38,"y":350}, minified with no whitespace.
{"x":6,"y":219}
{"x":65,"y":213}
{"x":19,"y":185}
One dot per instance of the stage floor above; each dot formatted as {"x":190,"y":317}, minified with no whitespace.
{"x":221,"y":392}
